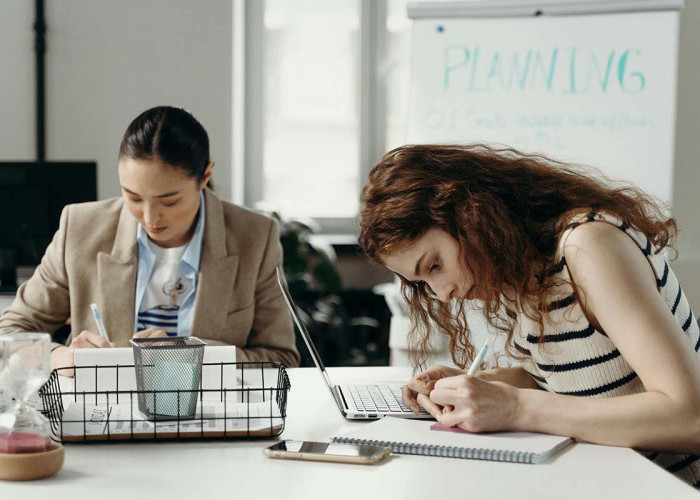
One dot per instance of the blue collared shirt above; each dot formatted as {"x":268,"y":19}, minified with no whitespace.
{"x":189,"y":267}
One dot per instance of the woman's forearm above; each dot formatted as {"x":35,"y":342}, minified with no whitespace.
{"x":650,"y":420}
{"x":515,"y":376}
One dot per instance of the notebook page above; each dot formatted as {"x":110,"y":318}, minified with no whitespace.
{"x":402,"y":430}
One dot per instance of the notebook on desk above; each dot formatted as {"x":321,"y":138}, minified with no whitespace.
{"x":411,"y":437}
{"x":355,"y":401}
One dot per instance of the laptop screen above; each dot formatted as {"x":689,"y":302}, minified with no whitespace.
{"x":297,"y":320}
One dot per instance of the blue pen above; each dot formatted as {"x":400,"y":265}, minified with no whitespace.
{"x":98,"y":320}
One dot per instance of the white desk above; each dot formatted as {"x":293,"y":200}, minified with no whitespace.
{"x":238,"y":470}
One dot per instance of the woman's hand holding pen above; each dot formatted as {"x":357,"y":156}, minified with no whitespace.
{"x":455,"y":398}
{"x":417,"y":392}
{"x":421,"y":390}
{"x":88,"y":339}
{"x":64,"y":356}
{"x":476,"y":405}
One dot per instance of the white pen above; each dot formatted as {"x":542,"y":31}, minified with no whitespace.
{"x":478,"y":359}
{"x":98,"y":320}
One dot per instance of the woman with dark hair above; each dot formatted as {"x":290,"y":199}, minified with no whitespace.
{"x":570,"y":269}
{"x":166,"y":258}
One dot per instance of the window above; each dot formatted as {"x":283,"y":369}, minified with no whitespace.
{"x":310,"y":135}
{"x":323,"y":97}
{"x":398,"y":53}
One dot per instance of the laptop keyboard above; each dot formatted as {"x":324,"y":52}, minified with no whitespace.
{"x":379,"y":398}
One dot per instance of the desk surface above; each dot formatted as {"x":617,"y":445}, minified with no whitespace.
{"x":238,"y":469}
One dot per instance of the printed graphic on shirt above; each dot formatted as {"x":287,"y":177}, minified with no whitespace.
{"x":173,"y":290}
{"x":164,"y":293}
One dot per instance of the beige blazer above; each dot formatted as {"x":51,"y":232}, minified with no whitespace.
{"x":93,"y":258}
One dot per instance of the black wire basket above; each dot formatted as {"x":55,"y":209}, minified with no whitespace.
{"x":234,"y":401}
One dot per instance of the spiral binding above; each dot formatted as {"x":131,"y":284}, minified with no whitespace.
{"x":447,"y":451}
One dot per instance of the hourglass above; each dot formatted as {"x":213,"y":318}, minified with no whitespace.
{"x":24,"y":367}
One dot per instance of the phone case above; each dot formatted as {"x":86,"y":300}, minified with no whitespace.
{"x":320,"y":457}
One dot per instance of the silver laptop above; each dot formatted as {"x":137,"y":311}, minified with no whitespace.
{"x":355,"y":401}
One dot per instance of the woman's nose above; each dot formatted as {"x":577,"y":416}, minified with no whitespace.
{"x":445,"y":291}
{"x":151,"y":215}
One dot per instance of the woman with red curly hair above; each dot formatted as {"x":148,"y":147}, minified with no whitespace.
{"x":570,"y":268}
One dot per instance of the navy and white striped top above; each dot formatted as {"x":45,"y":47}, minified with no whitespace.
{"x":161,"y":317}
{"x":576,"y":359}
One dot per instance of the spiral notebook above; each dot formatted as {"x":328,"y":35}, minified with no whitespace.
{"x":415,"y":437}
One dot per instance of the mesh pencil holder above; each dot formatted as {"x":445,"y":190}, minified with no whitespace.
{"x":168,"y":375}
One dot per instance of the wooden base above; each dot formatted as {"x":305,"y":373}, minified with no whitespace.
{"x":29,"y":466}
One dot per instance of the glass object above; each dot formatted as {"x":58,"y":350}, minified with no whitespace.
{"x":5,"y":396}
{"x":25,"y":368}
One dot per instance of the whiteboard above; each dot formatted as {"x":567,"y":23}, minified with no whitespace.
{"x":594,"y":89}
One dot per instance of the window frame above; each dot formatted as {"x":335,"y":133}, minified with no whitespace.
{"x":249,"y":103}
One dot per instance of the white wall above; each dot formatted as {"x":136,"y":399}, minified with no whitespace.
{"x":16,"y":80}
{"x":106,"y":62}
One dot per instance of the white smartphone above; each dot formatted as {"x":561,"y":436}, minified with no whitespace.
{"x":329,"y":452}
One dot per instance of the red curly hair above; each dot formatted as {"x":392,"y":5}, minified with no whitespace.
{"x":507,"y":208}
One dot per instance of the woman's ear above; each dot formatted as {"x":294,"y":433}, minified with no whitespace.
{"x":207,"y":175}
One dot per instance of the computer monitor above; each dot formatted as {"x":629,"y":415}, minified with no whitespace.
{"x":32,"y":195}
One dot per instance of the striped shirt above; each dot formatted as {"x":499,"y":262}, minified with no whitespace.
{"x":161,"y":317}
{"x":577,"y":359}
